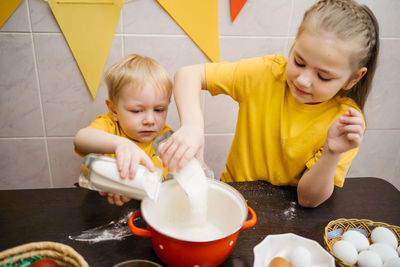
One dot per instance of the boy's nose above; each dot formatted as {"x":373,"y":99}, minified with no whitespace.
{"x":149,"y":117}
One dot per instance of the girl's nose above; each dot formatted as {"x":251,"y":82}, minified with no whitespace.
{"x":304,"y":79}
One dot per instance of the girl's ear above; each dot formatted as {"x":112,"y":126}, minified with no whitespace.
{"x":111,"y":109}
{"x":356,"y":78}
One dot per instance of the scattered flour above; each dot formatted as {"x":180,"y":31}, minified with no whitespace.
{"x":290,"y":213}
{"x":111,"y":231}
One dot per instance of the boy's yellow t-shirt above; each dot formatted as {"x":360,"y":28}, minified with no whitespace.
{"x":277,"y":138}
{"x":106,"y":123}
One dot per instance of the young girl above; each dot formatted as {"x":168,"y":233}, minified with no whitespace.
{"x":300,"y":119}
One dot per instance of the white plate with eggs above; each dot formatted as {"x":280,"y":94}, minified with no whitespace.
{"x":296,"y":250}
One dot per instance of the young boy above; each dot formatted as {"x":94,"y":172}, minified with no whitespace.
{"x":139,"y":91}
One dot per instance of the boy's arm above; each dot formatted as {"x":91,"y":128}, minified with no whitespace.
{"x":128,"y":154}
{"x":317,"y":184}
{"x":188,"y":140}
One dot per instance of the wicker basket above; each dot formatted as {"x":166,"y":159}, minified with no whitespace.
{"x":64,"y":255}
{"x":345,"y":224}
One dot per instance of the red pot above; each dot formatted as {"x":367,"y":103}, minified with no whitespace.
{"x":226,"y":210}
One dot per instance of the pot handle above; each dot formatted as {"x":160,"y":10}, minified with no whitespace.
{"x":252,"y":221}
{"x":136,"y":230}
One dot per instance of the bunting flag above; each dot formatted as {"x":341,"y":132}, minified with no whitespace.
{"x":199,"y":19}
{"x":236,"y":6}
{"x":7,"y":7}
{"x":88,"y":27}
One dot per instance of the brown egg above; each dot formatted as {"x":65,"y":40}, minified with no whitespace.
{"x":279,"y":262}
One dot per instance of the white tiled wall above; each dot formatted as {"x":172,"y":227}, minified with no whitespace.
{"x":44,"y":100}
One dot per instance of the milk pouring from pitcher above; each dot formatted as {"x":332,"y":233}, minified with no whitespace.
{"x":100,"y":173}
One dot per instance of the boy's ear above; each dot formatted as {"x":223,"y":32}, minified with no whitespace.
{"x":356,"y":78}
{"x":111,"y":109}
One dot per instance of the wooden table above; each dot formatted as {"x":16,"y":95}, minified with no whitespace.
{"x":55,"y":214}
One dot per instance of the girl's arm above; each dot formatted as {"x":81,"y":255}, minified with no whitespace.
{"x":188,"y":140}
{"x":128,"y":154}
{"x":317,"y":184}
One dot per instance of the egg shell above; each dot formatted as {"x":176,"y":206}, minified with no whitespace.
{"x":368,"y":258}
{"x":345,"y":251}
{"x":279,"y":262}
{"x":383,"y":250}
{"x":384,"y":235}
{"x":393,"y":262}
{"x":300,"y":257}
{"x":359,"y":241}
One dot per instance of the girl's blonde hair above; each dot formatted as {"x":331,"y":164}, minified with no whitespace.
{"x":136,"y":71}
{"x":353,"y":22}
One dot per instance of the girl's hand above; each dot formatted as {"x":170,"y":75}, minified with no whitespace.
{"x":345,"y":133}
{"x":181,"y":147}
{"x":129,"y":156}
{"x":115,"y":199}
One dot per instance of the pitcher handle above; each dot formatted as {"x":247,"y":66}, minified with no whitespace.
{"x":252,"y":221}
{"x":137,"y":230}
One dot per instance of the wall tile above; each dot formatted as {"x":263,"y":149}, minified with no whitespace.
{"x":25,"y":165}
{"x":172,"y":52}
{"x":42,"y":18}
{"x":64,"y":162}
{"x":148,"y":17}
{"x":18,"y":21}
{"x":387,"y":14}
{"x":257,"y":18}
{"x":216,"y":151}
{"x":67,"y":102}
{"x":383,"y":103}
{"x":20,"y":113}
{"x":220,"y":114}
{"x":379,"y":156}
{"x":236,"y":48}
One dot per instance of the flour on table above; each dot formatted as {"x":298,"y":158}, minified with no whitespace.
{"x":112,"y":231}
{"x":290,"y":213}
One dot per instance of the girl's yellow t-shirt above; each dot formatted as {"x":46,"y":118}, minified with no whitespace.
{"x":277,"y":138}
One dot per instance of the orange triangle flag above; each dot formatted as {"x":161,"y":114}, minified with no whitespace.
{"x":88,"y":26}
{"x":7,"y":7}
{"x":199,"y":19}
{"x":236,"y":6}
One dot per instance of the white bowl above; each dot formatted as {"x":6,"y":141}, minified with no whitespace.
{"x":281,"y":245}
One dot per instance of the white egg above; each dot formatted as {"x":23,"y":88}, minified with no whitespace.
{"x":345,"y":251}
{"x":300,"y":257}
{"x":384,"y":251}
{"x":359,"y":241}
{"x":368,"y":258}
{"x":384,"y":235}
{"x":393,"y":262}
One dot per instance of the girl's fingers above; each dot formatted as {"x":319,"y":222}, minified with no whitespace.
{"x":353,"y":129}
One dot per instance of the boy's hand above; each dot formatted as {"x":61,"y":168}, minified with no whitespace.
{"x":345,"y":133}
{"x":115,"y":199}
{"x":129,"y":156}
{"x":181,"y":147}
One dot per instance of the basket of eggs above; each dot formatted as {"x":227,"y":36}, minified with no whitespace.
{"x":42,"y":254}
{"x":363,"y":243}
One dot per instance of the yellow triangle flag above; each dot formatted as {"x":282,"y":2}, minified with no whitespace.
{"x":7,"y":7}
{"x":199,"y":19}
{"x":88,"y":26}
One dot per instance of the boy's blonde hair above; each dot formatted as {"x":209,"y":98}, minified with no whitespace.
{"x":136,"y":71}
{"x":353,"y":22}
